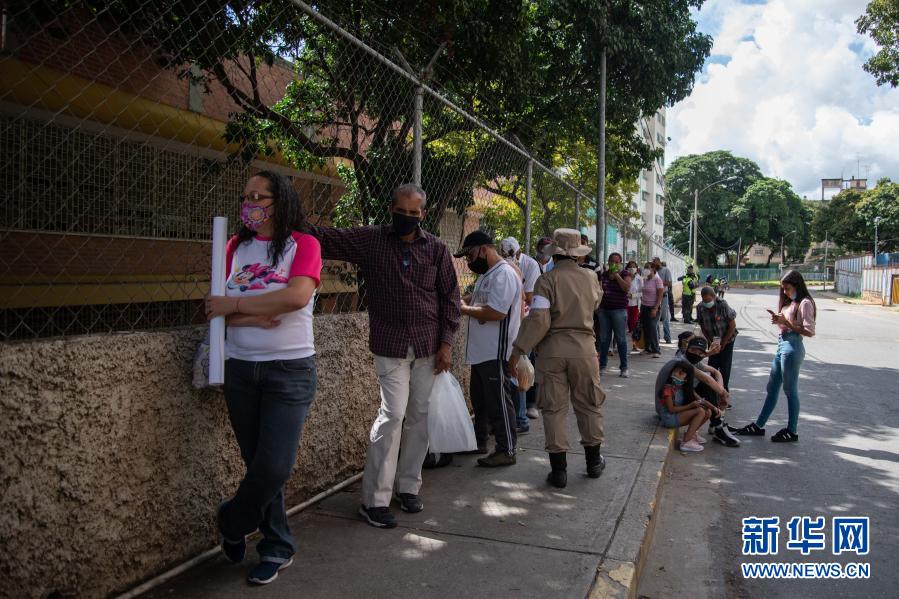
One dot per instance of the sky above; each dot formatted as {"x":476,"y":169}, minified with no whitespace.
{"x":784,"y":86}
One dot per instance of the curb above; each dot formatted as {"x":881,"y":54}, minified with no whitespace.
{"x":620,"y":568}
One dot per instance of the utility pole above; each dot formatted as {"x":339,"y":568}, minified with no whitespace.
{"x":601,"y":160}
{"x":739,"y":253}
{"x":418,"y":108}
{"x":695,"y":225}
{"x":690,"y":246}
{"x":825,"y":260}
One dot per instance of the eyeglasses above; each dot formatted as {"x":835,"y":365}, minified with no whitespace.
{"x":253,"y":197}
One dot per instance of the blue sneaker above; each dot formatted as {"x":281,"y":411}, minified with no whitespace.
{"x":266,"y":572}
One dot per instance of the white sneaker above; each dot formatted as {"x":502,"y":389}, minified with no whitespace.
{"x":700,"y":439}
{"x":624,"y":373}
{"x":691,"y":446}
{"x":533,"y":414}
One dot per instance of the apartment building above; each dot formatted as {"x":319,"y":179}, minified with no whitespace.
{"x":649,"y":200}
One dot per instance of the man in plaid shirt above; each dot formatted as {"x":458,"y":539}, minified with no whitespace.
{"x":414,"y":312}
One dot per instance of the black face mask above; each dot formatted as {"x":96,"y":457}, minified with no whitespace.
{"x":404,"y":225}
{"x":693,"y":358}
{"x":479,"y":265}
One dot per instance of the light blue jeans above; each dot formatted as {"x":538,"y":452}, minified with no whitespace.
{"x":785,"y":372}
{"x":613,"y":321}
{"x":665,"y":318}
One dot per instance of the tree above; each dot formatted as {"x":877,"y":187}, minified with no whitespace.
{"x":770,"y":213}
{"x":531,"y":68}
{"x":880,"y":21}
{"x":848,"y":218}
{"x":718,"y":231}
{"x":882,"y":203}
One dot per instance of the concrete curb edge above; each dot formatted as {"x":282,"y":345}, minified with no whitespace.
{"x":619,"y":570}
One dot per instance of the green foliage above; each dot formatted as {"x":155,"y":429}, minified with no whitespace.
{"x":770,"y":213}
{"x":848,"y":219}
{"x":718,"y":229}
{"x":880,"y":22}
{"x":532,"y":68}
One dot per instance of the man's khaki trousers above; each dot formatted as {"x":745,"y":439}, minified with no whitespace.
{"x":577,"y":379}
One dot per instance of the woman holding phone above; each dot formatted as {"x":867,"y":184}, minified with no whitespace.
{"x":795,"y":317}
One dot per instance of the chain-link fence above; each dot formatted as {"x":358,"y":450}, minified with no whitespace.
{"x":125,"y":126}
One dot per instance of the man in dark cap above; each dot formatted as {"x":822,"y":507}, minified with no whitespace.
{"x":494,"y":316}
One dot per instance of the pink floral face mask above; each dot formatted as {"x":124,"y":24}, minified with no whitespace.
{"x":254,"y":216}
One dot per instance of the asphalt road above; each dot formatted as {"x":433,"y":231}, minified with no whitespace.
{"x":846,"y":463}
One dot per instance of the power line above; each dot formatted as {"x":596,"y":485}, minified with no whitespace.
{"x":715,"y":245}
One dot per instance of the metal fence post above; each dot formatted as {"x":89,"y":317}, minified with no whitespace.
{"x":527,"y":209}
{"x":416,"y":135}
{"x":577,"y":211}
{"x":601,"y":160}
{"x":421,"y":78}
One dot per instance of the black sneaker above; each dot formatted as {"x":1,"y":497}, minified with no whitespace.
{"x":379,"y":517}
{"x":481,"y":450}
{"x":724,"y":437}
{"x":266,"y":572}
{"x":497,"y":459}
{"x":410,"y":503}
{"x":750,"y":430}
{"x":785,"y":435}
{"x":522,"y":430}
{"x":235,"y":551}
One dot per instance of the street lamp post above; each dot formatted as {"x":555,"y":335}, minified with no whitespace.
{"x":783,"y":257}
{"x":695,"y":229}
{"x":876,"y":223}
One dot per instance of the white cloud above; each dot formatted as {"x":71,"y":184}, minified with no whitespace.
{"x":793,"y":95}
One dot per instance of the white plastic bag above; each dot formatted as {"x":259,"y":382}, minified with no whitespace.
{"x":200,"y":378}
{"x":201,"y":364}
{"x":449,"y":424}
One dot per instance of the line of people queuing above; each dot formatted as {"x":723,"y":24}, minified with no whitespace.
{"x":415,"y":310}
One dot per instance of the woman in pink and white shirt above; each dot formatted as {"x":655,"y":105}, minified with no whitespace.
{"x":795,"y":317}
{"x":273,"y":271}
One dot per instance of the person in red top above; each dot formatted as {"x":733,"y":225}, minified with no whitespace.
{"x":615,"y":282}
{"x":274,"y":268}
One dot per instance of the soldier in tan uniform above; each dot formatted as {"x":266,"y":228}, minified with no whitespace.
{"x":560,"y":327}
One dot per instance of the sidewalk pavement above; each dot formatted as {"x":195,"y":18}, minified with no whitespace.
{"x":486,"y":532}
{"x":856,"y":301}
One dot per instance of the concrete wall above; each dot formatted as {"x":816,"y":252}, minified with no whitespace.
{"x":112,"y":463}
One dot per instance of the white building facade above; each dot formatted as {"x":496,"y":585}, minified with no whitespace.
{"x":649,"y":200}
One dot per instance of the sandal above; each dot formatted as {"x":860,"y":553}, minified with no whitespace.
{"x":785,"y":436}
{"x":750,"y":430}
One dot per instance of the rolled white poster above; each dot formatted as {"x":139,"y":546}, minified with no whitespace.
{"x":217,"y":287}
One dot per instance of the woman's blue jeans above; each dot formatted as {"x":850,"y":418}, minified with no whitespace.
{"x":267,"y":405}
{"x":785,"y":372}
{"x":612,"y":321}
